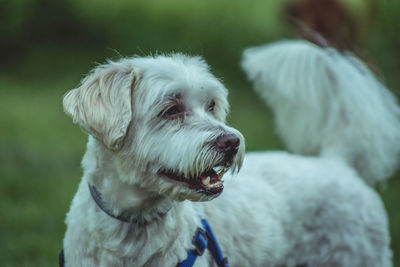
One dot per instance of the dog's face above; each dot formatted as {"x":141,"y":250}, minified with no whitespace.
{"x":164,"y":120}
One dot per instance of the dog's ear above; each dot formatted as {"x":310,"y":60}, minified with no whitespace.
{"x":102,"y":104}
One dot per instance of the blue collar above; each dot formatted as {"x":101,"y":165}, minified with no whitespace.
{"x":204,"y":239}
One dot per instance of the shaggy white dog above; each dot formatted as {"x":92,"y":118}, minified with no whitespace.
{"x":158,"y":148}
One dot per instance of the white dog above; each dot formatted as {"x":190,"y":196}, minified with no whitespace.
{"x":158,"y":147}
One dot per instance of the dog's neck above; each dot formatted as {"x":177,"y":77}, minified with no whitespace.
{"x":122,"y":201}
{"x":138,"y":218}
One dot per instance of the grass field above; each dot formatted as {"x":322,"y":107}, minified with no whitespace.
{"x":40,"y":148}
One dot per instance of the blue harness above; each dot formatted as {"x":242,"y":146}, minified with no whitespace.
{"x":204,"y":239}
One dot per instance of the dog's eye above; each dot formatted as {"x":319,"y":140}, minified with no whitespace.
{"x":173,"y":112}
{"x":211,"y":106}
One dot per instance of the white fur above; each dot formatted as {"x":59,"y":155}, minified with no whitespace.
{"x":280,"y":210}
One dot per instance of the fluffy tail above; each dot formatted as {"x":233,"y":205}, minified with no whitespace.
{"x":328,"y":104}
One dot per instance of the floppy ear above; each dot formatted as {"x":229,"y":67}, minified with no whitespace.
{"x":102,"y":104}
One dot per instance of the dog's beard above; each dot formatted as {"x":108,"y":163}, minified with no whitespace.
{"x":183,"y":168}
{"x":206,"y":177}
{"x":200,"y":179}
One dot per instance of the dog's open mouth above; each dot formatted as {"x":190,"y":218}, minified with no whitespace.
{"x":209,"y":182}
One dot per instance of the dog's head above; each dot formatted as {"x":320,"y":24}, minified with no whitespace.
{"x":163,"y":118}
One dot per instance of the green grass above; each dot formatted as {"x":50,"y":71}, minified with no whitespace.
{"x":40,"y":148}
{"x":39,"y":155}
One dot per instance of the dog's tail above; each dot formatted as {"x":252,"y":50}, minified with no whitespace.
{"x":328,"y":104}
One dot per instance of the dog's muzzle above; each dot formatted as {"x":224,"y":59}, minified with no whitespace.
{"x":209,"y":181}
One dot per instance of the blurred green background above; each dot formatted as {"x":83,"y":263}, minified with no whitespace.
{"x":47,"y":46}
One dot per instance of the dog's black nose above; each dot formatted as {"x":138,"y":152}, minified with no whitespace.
{"x":228,"y":143}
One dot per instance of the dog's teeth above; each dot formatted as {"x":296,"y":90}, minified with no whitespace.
{"x":215,"y":184}
{"x":206,"y":181}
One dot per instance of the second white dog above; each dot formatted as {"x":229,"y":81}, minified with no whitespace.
{"x":159,"y":144}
